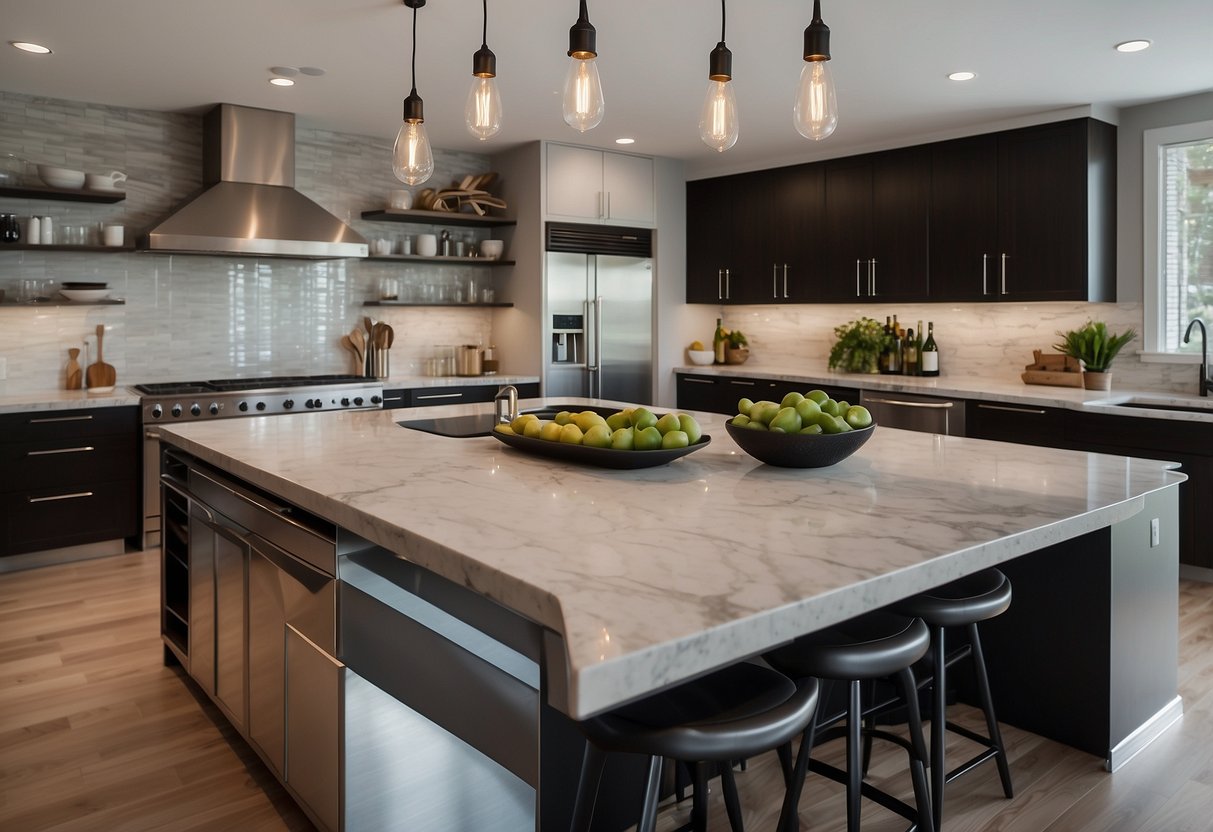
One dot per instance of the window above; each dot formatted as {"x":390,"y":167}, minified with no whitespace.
{"x":1178,"y":181}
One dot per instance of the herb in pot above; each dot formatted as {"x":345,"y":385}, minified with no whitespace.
{"x":858,"y":347}
{"x":1093,"y":345}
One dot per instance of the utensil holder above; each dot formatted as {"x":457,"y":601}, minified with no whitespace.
{"x":380,"y":364}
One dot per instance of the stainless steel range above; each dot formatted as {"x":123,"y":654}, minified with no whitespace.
{"x":192,"y":401}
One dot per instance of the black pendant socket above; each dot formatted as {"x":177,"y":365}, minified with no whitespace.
{"x":414,"y":108}
{"x":720,"y":63}
{"x":484,"y":63}
{"x":583,"y":38}
{"x":414,"y":4}
{"x":817,"y":37}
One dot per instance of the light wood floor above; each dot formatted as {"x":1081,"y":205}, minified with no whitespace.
{"x":96,"y":734}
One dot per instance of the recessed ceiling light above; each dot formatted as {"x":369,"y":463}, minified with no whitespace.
{"x":282,"y":82}
{"x":625,"y":140}
{"x":1133,"y":46}
{"x":25,"y":46}
{"x":961,"y":76}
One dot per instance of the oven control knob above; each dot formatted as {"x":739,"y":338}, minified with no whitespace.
{"x":309,"y":404}
{"x":288,"y":404}
{"x":345,"y":402}
{"x":157,"y":411}
{"x":196,"y":409}
{"x":376,"y":400}
{"x":261,"y":405}
{"x":243,"y":406}
{"x":319,"y":404}
{"x":213,"y":409}
{"x":358,"y":401}
{"x":176,"y":410}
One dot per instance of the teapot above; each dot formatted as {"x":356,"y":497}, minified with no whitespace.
{"x":104,"y":181}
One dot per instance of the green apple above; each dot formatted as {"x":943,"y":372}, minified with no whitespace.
{"x":818,"y":396}
{"x":675,"y":439}
{"x":831,"y":424}
{"x":777,"y":430}
{"x":619,"y":420}
{"x":551,"y":431}
{"x":763,"y":412}
{"x":791,"y":399}
{"x":598,"y":436}
{"x":812,"y":429}
{"x":564,"y":417}
{"x":858,"y":416}
{"x":786,"y":420}
{"x":754,"y":424}
{"x":571,"y":434}
{"x":623,"y":439}
{"x":667,"y":423}
{"x":690,"y":427}
{"x":830,"y":407}
{"x":740,"y":420}
{"x":586,"y":419}
{"x":647,"y":439}
{"x":504,"y":428}
{"x":743,"y":406}
{"x":808,"y":410}
{"x":843,"y":404}
{"x":533,"y":428}
{"x":642,"y":418}
{"x":520,"y":421}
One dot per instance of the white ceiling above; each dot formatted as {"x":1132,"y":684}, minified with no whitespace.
{"x":890,"y":62}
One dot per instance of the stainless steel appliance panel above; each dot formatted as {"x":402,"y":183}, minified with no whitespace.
{"x":624,"y":328}
{"x":569,"y":286}
{"x":202,"y":598}
{"x":911,"y":411}
{"x":231,"y":555}
{"x":313,"y":724}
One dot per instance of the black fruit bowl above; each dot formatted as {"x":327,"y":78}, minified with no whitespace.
{"x":799,"y":450}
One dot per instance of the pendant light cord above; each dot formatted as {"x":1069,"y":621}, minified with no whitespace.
{"x":414,"y":92}
{"x":721,"y":20}
{"x":484,"y":35}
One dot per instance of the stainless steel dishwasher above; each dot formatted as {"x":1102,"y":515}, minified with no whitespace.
{"x":913,"y":411}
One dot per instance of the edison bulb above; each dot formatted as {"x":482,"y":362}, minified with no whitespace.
{"x":482,"y":113}
{"x":583,"y":101}
{"x":816,"y":112}
{"x":718,"y":124}
{"x":412,"y":159}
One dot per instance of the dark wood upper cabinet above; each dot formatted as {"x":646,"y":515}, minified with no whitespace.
{"x":964,"y":218}
{"x":709,"y":238}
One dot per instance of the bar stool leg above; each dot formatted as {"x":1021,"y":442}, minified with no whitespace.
{"x":652,"y":792}
{"x":732,"y":805}
{"x":922,"y":797}
{"x":987,"y":705}
{"x":789,"y":815}
{"x":699,"y":798}
{"x":592,"y":763}
{"x":854,"y":755}
{"x":939,"y":725}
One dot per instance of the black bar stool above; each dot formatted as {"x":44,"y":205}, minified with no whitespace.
{"x":740,"y":711}
{"x":869,"y":647}
{"x":962,"y":603}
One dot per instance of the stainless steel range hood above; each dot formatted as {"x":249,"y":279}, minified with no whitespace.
{"x":249,"y":205}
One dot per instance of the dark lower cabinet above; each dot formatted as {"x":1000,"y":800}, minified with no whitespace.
{"x":71,"y":477}
{"x":462,"y":394}
{"x":1025,"y":424}
{"x":720,"y":394}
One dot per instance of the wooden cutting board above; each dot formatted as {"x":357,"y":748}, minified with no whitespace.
{"x":100,"y":374}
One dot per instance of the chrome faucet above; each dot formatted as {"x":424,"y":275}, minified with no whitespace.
{"x":505,"y":404}
{"x":1204,"y":354}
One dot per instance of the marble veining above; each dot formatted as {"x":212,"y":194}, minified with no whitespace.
{"x":656,"y":575}
{"x":65,"y":400}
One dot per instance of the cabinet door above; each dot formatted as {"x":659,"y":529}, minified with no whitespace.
{"x":709,"y":231}
{"x":901,"y":199}
{"x":628,"y":183}
{"x":796,"y":197}
{"x":267,"y":660}
{"x":574,"y":182}
{"x":707,"y":393}
{"x":1024,"y":424}
{"x":963,"y":219}
{"x":313,"y":722}
{"x":751,"y":266}
{"x":847,"y":251}
{"x":1042,"y":230}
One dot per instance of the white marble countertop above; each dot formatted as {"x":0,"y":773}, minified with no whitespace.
{"x":656,"y":575}
{"x":1009,"y":388}
{"x":408,"y":382}
{"x":65,"y":400}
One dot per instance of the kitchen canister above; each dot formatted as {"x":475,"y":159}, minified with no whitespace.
{"x":427,"y":245}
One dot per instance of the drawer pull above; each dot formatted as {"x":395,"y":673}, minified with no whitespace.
{"x":440,"y":396}
{"x":1033,"y":411}
{"x":61,"y":451}
{"x":75,"y":496}
{"x":902,"y":403}
{"x":49,"y":419}
{"x":698,"y":380}
{"x":393,"y":398}
{"x":742,"y":383}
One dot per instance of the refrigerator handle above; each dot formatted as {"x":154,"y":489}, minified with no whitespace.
{"x":597,"y":392}
{"x":591,"y":348}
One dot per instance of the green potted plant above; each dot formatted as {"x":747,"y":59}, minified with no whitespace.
{"x":736,"y":349}
{"x":1096,"y":348}
{"x":858,"y":346}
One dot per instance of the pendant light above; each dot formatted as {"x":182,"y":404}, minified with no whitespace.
{"x":816,"y":112}
{"x":412,"y":159}
{"x":482,"y":113}
{"x":583,"y":102}
{"x":718,"y":121}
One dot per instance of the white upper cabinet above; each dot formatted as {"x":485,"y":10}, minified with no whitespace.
{"x":599,"y":186}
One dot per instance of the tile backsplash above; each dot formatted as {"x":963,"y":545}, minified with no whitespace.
{"x":207,"y":316}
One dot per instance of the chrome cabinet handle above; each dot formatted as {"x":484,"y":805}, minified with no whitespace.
{"x":728,"y":289}
{"x":872,"y":277}
{"x":697,"y":380}
{"x":775,"y":280}
{"x":985,"y":283}
{"x":1031,"y":411}
{"x":441,"y":396}
{"x":74,"y":496}
{"x":742,"y":383}
{"x":81,"y":449}
{"x":608,"y":205}
{"x":720,"y":284}
{"x":48,"y":420}
{"x":785,"y":280}
{"x":1004,"y":273}
{"x":857,"y":292}
{"x":928,"y":405}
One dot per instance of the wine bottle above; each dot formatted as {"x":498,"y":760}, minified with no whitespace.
{"x":909,"y":354}
{"x":922,"y":334}
{"x":718,"y":342}
{"x":883,"y":361}
{"x":930,"y":352}
{"x":894,"y":351}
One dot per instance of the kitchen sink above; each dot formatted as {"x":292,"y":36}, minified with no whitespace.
{"x":1175,"y":405}
{"x":481,"y":424}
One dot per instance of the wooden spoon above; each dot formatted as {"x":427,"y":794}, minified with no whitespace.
{"x":359,"y":342}
{"x":100,"y":374}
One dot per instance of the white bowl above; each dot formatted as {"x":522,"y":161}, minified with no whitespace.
{"x":85,"y":294}
{"x":492,"y":248}
{"x":701,"y":356}
{"x":61,"y":177}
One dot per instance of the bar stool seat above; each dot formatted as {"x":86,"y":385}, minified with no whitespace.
{"x":869,"y":647}
{"x":742,"y":710}
{"x":962,"y":603}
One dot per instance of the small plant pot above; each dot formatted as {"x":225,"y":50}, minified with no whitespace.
{"x":732,"y":356}
{"x":1097,"y":381}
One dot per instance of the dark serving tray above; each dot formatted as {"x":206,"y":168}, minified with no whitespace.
{"x":599,"y":457}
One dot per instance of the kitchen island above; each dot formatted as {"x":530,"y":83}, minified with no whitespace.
{"x":624,"y":582}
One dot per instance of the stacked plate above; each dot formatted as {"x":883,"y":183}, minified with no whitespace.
{"x":84,"y":291}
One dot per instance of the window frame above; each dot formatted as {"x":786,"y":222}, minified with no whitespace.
{"x":1154,"y":142}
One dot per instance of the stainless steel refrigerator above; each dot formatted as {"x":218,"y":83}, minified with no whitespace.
{"x":599,"y":312}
